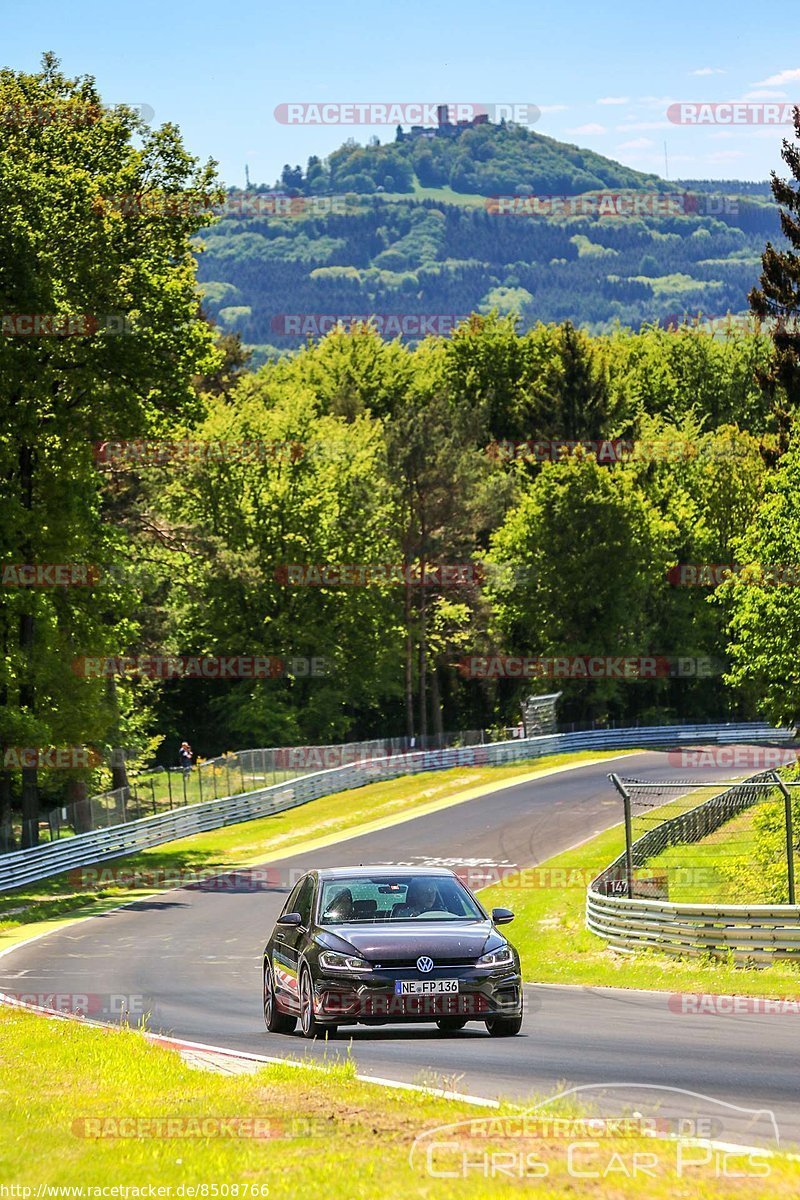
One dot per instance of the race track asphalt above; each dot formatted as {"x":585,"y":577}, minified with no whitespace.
{"x":191,"y":959}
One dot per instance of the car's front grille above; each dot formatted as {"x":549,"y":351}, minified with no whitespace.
{"x":410,"y":964}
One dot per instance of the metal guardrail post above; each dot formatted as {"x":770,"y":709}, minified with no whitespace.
{"x":787,"y":805}
{"x":626,"y":801}
{"x":169,"y":787}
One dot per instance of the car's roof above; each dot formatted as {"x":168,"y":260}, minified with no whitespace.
{"x":387,"y":872}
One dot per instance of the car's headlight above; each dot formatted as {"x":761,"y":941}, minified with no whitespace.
{"x":332,"y":961}
{"x":502,"y":957}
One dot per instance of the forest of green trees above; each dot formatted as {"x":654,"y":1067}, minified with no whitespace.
{"x":490,"y":218}
{"x":433,"y":257}
{"x":286,"y":513}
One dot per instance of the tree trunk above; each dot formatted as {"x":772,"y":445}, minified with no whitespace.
{"x":81,"y":808}
{"x":30,"y":775}
{"x":409,"y":665}
{"x":119,"y":782}
{"x":119,"y":769}
{"x":7,"y":841}
{"x":30,"y":807}
{"x":119,"y":766}
{"x":436,"y":706}
{"x":423,"y":656}
{"x":27,"y":689}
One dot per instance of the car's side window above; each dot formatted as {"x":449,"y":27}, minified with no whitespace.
{"x":304,"y":900}
{"x":291,"y":903}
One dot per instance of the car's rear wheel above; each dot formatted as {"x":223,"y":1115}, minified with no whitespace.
{"x":310,"y":1027}
{"x":451,"y":1024}
{"x":274,"y":1019}
{"x":504,"y":1026}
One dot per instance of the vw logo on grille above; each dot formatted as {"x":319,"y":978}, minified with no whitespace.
{"x":424,"y":964}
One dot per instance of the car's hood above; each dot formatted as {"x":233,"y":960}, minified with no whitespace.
{"x":407,"y":940}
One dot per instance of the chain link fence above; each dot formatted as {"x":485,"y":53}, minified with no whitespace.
{"x":163,"y":789}
{"x":692,"y":842}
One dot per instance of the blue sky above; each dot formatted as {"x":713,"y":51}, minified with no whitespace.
{"x":602,"y":74}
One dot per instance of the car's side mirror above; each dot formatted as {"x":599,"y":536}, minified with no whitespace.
{"x":290,"y":919}
{"x":501,"y":916}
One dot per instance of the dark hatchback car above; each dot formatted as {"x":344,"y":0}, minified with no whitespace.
{"x":379,"y":945}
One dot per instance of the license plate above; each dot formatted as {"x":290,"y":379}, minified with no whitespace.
{"x":425,"y":987}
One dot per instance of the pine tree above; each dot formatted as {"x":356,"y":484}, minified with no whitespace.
{"x":778,"y":298}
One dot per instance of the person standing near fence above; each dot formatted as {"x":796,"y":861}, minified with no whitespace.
{"x":185,"y":755}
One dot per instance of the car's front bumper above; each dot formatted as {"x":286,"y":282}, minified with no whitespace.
{"x":371,"y":998}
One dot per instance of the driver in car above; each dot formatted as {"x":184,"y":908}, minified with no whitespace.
{"x":422,"y":896}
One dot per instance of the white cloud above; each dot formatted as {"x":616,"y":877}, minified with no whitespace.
{"x":726,"y":155}
{"x":655,"y":101}
{"x":765,"y":94}
{"x":708,"y":71}
{"x":636,"y":144}
{"x":783,"y":77}
{"x":615,"y":100}
{"x":775,"y":132}
{"x":551,"y":108}
{"x":643,"y":126}
{"x":587,"y":129}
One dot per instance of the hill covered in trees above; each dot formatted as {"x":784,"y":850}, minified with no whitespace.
{"x":490,"y":217}
{"x":482,"y":159}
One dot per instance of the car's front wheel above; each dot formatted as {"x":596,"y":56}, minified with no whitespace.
{"x":274,"y":1019}
{"x":504,"y":1026}
{"x":310,"y":1027}
{"x":451,"y":1024}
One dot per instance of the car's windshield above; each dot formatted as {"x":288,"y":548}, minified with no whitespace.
{"x":406,"y":898}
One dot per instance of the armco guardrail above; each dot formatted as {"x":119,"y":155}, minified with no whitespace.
{"x":755,"y":932}
{"x":748,"y":932}
{"x":160,"y":789}
{"x":40,"y":862}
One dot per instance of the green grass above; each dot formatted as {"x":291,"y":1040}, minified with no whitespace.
{"x":670,"y":285}
{"x":251,"y":842}
{"x":710,"y":875}
{"x":444,"y":194}
{"x":324,"y":1133}
{"x":549,"y":905}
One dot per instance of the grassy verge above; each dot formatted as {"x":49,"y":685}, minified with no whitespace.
{"x":251,"y":842}
{"x":549,"y":903}
{"x":321,"y":1132}
{"x":720,"y":865}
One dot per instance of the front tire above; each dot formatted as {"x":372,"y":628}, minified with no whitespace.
{"x":310,"y":1027}
{"x":274,"y":1019}
{"x":451,"y":1024}
{"x":504,"y":1026}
